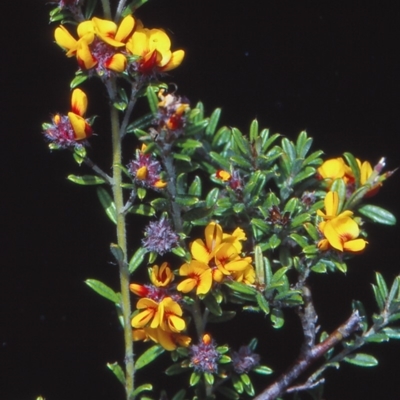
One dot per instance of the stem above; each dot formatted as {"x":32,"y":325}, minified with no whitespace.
{"x":98,"y":170}
{"x":132,"y":101}
{"x":121,"y":240}
{"x":309,"y":356}
{"x":106,"y":9}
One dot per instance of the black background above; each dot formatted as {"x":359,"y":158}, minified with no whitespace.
{"x":323,"y":67}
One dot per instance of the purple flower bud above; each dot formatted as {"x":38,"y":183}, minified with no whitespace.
{"x":159,"y":237}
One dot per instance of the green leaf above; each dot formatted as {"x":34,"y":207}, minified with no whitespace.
{"x":142,"y":209}
{"x":107,"y":203}
{"x":381,"y":285}
{"x":175,"y":369}
{"x":212,"y":125}
{"x":240,"y":142}
{"x":117,"y":252}
{"x":240,"y":287}
{"x":212,"y":304}
{"x":133,"y":6}
{"x":103,"y":290}
{"x":117,"y":371}
{"x":86,"y":179}
{"x":228,"y":393}
{"x":352,"y":162}
{"x":377,"y":338}
{"x":361,"y":359}
{"x":263,"y":370}
{"x":196,"y":213}
{"x":253,"y":131}
{"x":142,"y":388}
{"x":148,"y":356}
{"x":137,"y":259}
{"x":79,"y":79}
{"x":392,"y":333}
{"x":152,"y":99}
{"x":277,"y":318}
{"x":289,"y":149}
{"x":195,"y":187}
{"x":225,"y":316}
{"x":209,"y":378}
{"x":180,"y":395}
{"x":303,"y":144}
{"x":262,"y":303}
{"x":378,"y":297}
{"x":377,"y":214}
{"x":194,"y":378}
{"x":140,"y":123}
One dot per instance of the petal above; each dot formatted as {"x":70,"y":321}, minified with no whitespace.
{"x":213,"y":235}
{"x":333,"y":168}
{"x":125,"y":29}
{"x":187,"y":285}
{"x":139,"y":290}
{"x":171,"y":306}
{"x":82,"y":129}
{"x":176,"y":324}
{"x":142,"y":319}
{"x":86,"y":29}
{"x":175,"y":61}
{"x":355,"y":245}
{"x":65,"y":40}
{"x":79,"y":102}
{"x":331,"y":204}
{"x":332,"y":236}
{"x":158,"y":40}
{"x":346,"y":227}
{"x":117,"y":63}
{"x":104,"y":27}
{"x":84,"y":56}
{"x":365,"y":172}
{"x":137,"y":44}
{"x":199,"y":251}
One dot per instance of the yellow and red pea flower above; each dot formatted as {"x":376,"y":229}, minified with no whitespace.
{"x":153,"y":48}
{"x":215,"y":259}
{"x":98,"y":43}
{"x":70,"y":130}
{"x":340,"y":230}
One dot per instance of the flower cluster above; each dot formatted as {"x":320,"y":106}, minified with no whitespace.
{"x":146,"y":170}
{"x":234,"y":181}
{"x":204,"y":356}
{"x":340,"y":230}
{"x":98,"y":45}
{"x":104,"y":47}
{"x":336,"y":168}
{"x":159,"y":236}
{"x":244,"y":360}
{"x":216,"y":258}
{"x":160,"y":315}
{"x":170,"y":119}
{"x":70,"y":130}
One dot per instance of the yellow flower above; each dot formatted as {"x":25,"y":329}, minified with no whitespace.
{"x":200,"y":277}
{"x":335,"y":168}
{"x":168,"y":340}
{"x":340,"y":230}
{"x":101,"y":52}
{"x":214,"y":259}
{"x":166,"y":314}
{"x":153,"y":46}
{"x":161,"y":276}
{"x":80,"y":47}
{"x":78,"y":106}
{"x":109,"y":33}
